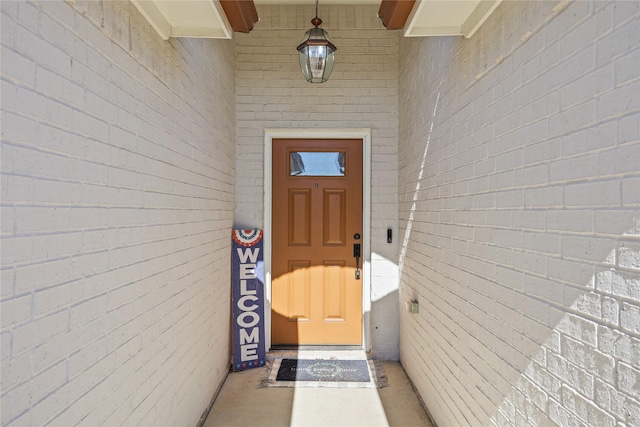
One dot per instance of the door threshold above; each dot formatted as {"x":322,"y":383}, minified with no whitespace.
{"x":279,"y":347}
{"x":351,"y":352}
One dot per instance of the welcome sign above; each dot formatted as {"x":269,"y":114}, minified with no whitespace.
{"x":248,"y":299}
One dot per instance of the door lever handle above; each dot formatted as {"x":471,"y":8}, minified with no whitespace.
{"x":356,"y":255}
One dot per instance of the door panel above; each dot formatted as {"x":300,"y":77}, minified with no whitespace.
{"x":317,"y":210}
{"x":299,"y":217}
{"x":335,"y":217}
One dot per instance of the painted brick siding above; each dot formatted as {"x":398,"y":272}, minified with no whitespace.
{"x":361,"y":93}
{"x":519,"y":166}
{"x":118,"y":180}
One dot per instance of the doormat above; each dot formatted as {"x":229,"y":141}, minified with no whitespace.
{"x":324,"y":373}
{"x":323,"y":370}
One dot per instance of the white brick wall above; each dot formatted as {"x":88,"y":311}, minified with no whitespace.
{"x":361,"y":93}
{"x":522,"y":220}
{"x":118,"y":186}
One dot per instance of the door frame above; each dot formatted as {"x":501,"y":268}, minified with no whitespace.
{"x":364,"y":134}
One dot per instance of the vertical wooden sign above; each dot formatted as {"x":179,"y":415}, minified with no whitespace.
{"x":248,"y":299}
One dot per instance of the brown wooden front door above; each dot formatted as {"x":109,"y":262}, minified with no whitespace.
{"x":316,"y":211}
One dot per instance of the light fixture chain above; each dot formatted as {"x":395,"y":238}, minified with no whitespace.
{"x":316,"y":8}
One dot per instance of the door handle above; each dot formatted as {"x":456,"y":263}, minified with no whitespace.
{"x":356,"y":255}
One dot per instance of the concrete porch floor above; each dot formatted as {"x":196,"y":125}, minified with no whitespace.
{"x":242,"y":403}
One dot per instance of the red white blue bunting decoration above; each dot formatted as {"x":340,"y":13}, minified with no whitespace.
{"x":247,"y":237}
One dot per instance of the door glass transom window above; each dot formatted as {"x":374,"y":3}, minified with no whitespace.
{"x":316,"y":163}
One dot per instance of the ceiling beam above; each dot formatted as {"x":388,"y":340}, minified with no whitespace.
{"x":242,"y":14}
{"x":478,"y":16}
{"x":199,"y":18}
{"x":394,"y":13}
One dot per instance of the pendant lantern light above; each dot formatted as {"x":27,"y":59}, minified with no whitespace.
{"x":316,"y":53}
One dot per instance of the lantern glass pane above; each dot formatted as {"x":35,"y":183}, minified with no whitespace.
{"x":317,"y":57}
{"x":317,"y":60}
{"x":304,"y":63}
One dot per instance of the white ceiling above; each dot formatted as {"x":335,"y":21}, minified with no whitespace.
{"x":205,"y":18}
{"x":448,"y":17}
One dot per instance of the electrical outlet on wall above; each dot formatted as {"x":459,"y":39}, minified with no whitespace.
{"x":412,"y":306}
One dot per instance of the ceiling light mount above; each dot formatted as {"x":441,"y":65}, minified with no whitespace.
{"x":316,"y":53}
